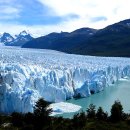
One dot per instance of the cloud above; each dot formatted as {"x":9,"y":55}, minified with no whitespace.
{"x":9,"y":13}
{"x":44,"y":16}
{"x":9,"y":10}
{"x":6,"y":1}
{"x":100,"y":18}
{"x":35,"y":30}
{"x":91,"y":10}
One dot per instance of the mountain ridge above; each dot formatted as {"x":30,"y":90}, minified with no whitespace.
{"x":113,"y":40}
{"x":60,"y":41}
{"x":17,"y":40}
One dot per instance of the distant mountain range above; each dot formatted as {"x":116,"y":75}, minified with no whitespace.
{"x":61,"y":41}
{"x":113,"y":40}
{"x":17,"y":40}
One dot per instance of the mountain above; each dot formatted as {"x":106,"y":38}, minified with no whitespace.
{"x":6,"y":38}
{"x":18,"y":40}
{"x":113,"y":40}
{"x":61,"y":41}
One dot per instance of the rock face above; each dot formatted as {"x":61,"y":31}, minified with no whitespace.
{"x":28,"y":74}
{"x":20,"y":39}
{"x":6,"y":37}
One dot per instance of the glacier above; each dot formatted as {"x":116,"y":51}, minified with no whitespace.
{"x":29,"y":74}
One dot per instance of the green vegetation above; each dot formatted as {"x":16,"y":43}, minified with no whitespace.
{"x":89,"y":120}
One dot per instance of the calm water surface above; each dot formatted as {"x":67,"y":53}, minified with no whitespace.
{"x":105,"y":99}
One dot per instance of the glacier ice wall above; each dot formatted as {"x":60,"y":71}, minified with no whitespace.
{"x":28,"y":74}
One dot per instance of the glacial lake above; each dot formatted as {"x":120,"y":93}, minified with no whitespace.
{"x":119,"y":91}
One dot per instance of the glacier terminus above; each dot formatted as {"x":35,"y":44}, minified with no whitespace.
{"x":29,"y":74}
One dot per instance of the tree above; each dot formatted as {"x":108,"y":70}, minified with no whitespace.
{"x":41,"y":114}
{"x":79,"y":120}
{"x":17,"y":119}
{"x":29,"y":118}
{"x":116,"y":112}
{"x":91,"y":111}
{"x":101,"y":115}
{"x":0,"y":119}
{"x":42,"y":107}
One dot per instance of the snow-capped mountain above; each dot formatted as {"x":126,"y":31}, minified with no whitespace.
{"x":23,"y":33}
{"x":20,"y":39}
{"x":6,"y":38}
{"x":29,"y":74}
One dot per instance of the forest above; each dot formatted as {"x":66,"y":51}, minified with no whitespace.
{"x":92,"y":119}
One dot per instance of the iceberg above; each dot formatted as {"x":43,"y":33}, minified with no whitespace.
{"x":63,"y":107}
{"x":29,"y":74}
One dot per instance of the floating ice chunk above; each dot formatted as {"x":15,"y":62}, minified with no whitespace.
{"x":63,"y":107}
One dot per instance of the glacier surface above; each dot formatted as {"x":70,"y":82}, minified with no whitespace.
{"x":29,"y":74}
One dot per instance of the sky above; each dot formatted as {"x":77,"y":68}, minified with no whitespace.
{"x":41,"y":17}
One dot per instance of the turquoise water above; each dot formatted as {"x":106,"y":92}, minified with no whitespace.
{"x":120,"y":91}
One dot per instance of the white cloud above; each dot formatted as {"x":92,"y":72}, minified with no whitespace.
{"x":35,"y":30}
{"x":87,"y":10}
{"x":113,"y":10}
{"x":9,"y":13}
{"x":9,"y":10}
{"x":6,"y":1}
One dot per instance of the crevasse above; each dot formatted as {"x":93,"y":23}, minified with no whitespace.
{"x":54,"y":76}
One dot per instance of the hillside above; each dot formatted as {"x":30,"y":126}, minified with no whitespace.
{"x":61,"y":41}
{"x":114,"y":40}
